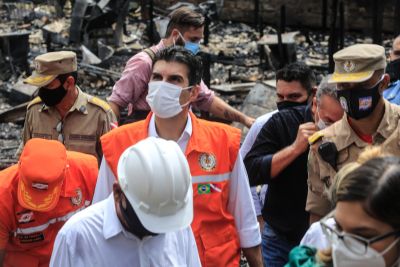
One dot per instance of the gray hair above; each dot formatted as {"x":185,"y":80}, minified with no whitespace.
{"x":325,"y":88}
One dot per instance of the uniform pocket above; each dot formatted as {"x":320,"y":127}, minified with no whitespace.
{"x":221,"y":249}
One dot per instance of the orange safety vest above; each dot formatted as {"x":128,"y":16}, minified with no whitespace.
{"x":211,"y":153}
{"x":28,"y":236}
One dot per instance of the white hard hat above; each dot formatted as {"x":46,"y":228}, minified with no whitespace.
{"x":155,"y":178}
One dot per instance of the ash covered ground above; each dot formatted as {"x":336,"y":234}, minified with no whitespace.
{"x":235,"y":45}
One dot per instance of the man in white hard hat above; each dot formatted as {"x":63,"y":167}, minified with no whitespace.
{"x":145,"y":222}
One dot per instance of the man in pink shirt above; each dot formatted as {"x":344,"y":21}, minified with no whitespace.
{"x":186,"y":29}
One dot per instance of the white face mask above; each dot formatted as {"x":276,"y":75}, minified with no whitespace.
{"x":342,"y":256}
{"x":321,"y":124}
{"x":163,"y":99}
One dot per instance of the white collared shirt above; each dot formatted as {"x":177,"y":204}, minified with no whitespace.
{"x":95,"y":237}
{"x":258,"y":200}
{"x":183,"y":139}
{"x":240,"y":199}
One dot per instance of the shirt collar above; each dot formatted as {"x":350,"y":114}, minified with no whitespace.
{"x":111,"y":226}
{"x":389,"y":120}
{"x":80,"y":102}
{"x":345,"y":135}
{"x":160,"y":45}
{"x":186,"y":134}
{"x":79,"y":105}
{"x":394,"y":90}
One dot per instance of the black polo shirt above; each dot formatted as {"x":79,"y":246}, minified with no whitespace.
{"x":284,"y":208}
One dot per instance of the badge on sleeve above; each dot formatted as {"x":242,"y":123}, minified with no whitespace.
{"x":77,"y":200}
{"x":25,"y":217}
{"x":207,"y":161}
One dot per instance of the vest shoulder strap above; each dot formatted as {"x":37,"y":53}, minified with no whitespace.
{"x":150,"y":53}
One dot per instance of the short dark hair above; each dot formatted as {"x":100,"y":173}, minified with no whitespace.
{"x":300,"y":72}
{"x":183,"y":18}
{"x":183,"y":56}
{"x":376,"y":183}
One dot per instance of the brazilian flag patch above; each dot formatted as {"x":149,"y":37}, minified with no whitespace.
{"x":203,"y":189}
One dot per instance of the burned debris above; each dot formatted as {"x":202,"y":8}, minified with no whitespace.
{"x":241,"y":58}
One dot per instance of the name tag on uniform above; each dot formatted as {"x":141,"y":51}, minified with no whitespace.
{"x":30,"y":238}
{"x":81,"y":137}
{"x":42,"y":135}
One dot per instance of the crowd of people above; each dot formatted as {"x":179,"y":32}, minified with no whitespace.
{"x":315,"y":183}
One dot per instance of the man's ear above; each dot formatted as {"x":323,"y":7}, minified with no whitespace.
{"x":314,"y":105}
{"x":175,"y":34}
{"x":117,"y":191}
{"x":385,"y":83}
{"x":69,"y":82}
{"x":314,"y":90}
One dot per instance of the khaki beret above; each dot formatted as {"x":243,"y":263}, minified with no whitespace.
{"x":48,"y":66}
{"x":357,"y":63}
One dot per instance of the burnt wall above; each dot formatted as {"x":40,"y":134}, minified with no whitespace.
{"x":358,"y":14}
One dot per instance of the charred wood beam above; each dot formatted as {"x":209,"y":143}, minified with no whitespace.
{"x":341,"y":24}
{"x":150,"y":6}
{"x":324,"y":18}
{"x":281,"y":29}
{"x":206,"y":58}
{"x":206,"y":30}
{"x":332,"y":37}
{"x":377,"y":20}
{"x":100,"y":71}
{"x":396,"y":22}
{"x":257,"y":17}
{"x":15,"y":114}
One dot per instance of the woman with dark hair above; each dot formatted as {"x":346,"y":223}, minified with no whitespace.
{"x":364,"y":228}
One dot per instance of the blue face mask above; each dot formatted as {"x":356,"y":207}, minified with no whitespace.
{"x":191,"y":46}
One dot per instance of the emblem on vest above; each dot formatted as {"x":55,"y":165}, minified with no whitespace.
{"x":77,"y":200}
{"x":207,"y":162}
{"x":26,"y":217}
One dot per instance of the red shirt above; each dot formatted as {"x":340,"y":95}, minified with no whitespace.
{"x":367,"y":138}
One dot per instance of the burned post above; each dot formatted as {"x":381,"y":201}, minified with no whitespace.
{"x":324,"y":13}
{"x":377,"y":8}
{"x":341,"y":24}
{"x":396,"y":18}
{"x":281,"y":29}
{"x":333,"y":35}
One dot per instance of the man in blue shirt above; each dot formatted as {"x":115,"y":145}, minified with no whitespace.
{"x":392,"y":93}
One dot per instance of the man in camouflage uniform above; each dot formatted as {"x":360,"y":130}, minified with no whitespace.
{"x":62,"y":111}
{"x":368,"y":120}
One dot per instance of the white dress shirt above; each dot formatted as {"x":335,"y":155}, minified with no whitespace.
{"x":95,"y":237}
{"x":239,"y":204}
{"x":258,"y":199}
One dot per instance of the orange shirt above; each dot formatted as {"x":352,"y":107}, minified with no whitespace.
{"x":28,"y":236}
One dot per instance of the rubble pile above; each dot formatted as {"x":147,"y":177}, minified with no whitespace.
{"x":238,"y":55}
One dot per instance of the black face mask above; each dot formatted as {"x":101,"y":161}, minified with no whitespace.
{"x":359,"y":103}
{"x":52,"y":97}
{"x":289,"y":104}
{"x":134,"y":225}
{"x":393,"y":69}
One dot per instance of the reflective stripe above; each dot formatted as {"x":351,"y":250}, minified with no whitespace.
{"x":40,"y":228}
{"x":211,"y":178}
